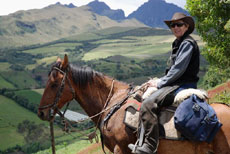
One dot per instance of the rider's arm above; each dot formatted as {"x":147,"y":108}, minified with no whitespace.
{"x":179,"y":67}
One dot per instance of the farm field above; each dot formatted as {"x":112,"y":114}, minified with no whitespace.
{"x":11,"y":114}
{"x":132,"y":47}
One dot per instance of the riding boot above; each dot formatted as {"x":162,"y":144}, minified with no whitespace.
{"x":149,"y":132}
{"x":147,"y":142}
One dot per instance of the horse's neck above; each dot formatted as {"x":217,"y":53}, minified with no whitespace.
{"x":93,"y":97}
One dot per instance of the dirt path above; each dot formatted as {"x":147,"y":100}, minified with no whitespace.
{"x":93,"y":149}
{"x":213,"y":92}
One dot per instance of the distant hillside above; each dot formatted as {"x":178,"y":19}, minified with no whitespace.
{"x":154,"y":12}
{"x":52,"y":23}
{"x":102,"y":9}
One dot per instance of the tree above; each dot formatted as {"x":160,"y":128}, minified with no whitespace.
{"x":213,"y":24}
{"x":32,"y":132}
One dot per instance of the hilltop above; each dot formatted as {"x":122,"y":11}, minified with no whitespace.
{"x":51,"y":23}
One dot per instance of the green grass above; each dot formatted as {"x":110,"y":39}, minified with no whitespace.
{"x":40,"y":91}
{"x":11,"y":114}
{"x":33,"y":96}
{"x":20,"y":79}
{"x":67,"y":149}
{"x":5,"y":84}
{"x":4,"y":66}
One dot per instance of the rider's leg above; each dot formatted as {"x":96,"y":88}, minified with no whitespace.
{"x":149,"y":122}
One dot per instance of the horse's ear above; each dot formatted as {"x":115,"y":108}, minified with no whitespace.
{"x":58,"y":60}
{"x":65,"y":62}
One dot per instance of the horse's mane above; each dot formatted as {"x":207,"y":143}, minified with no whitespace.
{"x":83,"y":75}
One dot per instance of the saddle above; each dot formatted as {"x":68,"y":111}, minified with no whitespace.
{"x":167,"y":128}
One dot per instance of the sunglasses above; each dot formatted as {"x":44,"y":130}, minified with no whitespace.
{"x":179,"y":24}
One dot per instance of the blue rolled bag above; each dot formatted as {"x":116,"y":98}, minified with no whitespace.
{"x":196,"y":120}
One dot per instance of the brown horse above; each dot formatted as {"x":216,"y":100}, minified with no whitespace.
{"x":92,"y":90}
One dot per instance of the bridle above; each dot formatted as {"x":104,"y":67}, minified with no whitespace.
{"x":54,"y":106}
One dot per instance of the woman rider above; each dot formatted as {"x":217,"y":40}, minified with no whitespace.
{"x":181,"y":74}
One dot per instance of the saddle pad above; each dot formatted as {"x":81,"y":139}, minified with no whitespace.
{"x":167,"y":126}
{"x":131,"y":118}
{"x":166,"y":121}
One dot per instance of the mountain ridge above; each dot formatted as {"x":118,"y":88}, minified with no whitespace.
{"x":53,"y":22}
{"x":154,"y":12}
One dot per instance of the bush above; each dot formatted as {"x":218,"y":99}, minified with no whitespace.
{"x":213,"y":25}
{"x":215,"y":76}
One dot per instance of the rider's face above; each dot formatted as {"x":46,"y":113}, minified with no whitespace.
{"x":178,"y":28}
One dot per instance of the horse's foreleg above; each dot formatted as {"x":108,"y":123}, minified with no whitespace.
{"x":118,"y":150}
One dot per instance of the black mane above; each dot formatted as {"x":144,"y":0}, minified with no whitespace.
{"x":83,"y":75}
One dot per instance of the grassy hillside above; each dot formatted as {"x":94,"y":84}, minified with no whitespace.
{"x":32,"y":96}
{"x":51,"y":23}
{"x":17,"y":79}
{"x":4,"y":83}
{"x":11,"y":114}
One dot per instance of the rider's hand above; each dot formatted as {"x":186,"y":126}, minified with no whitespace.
{"x":153,"y":82}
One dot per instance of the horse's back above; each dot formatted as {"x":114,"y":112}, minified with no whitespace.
{"x":184,"y":147}
{"x":222,"y":140}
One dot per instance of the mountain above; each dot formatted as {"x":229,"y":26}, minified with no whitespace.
{"x":102,"y":9}
{"x":154,"y":12}
{"x":52,"y":23}
{"x":70,"y":5}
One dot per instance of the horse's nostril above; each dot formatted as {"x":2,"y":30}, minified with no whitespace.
{"x":41,"y":114}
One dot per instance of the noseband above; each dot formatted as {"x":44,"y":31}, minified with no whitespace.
{"x":53,"y":106}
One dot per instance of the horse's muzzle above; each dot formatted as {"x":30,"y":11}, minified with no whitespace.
{"x":45,"y":115}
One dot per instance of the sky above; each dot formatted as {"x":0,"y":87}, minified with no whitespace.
{"x":128,"y":6}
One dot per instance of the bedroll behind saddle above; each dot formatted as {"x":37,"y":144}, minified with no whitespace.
{"x":196,"y":120}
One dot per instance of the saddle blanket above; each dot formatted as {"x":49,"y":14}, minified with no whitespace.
{"x":166,"y":120}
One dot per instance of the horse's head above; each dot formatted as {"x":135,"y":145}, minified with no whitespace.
{"x":58,"y":90}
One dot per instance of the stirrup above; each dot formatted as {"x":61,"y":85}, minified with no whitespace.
{"x":135,"y":146}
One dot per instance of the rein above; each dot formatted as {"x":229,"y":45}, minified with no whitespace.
{"x":53,"y":107}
